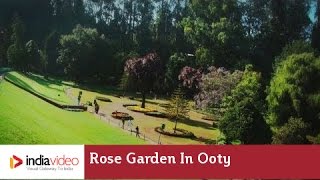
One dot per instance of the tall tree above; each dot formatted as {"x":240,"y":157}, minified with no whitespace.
{"x":83,"y":54}
{"x":215,"y":29}
{"x":33,"y":56}
{"x":144,"y":35}
{"x":144,"y":71}
{"x":16,"y":51}
{"x":316,"y":29}
{"x":293,"y":92}
{"x":178,"y":107}
{"x":243,"y":119}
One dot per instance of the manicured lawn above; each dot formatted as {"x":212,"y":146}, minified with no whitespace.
{"x":50,"y":88}
{"x":25,"y":119}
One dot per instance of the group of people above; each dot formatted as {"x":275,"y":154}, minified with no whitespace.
{"x":130,"y":124}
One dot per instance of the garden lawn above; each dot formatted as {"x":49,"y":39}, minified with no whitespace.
{"x":201,"y":128}
{"x":26,"y":119}
{"x":49,"y":88}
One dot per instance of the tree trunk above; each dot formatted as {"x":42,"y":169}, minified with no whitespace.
{"x":143,"y":105}
{"x":175,"y":126}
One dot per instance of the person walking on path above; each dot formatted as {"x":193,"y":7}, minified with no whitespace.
{"x":130,"y":125}
{"x":137,"y":131}
{"x":123,"y":122}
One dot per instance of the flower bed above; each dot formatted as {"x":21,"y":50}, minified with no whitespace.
{"x":121,"y":116}
{"x":179,"y":133}
{"x":104,"y":99}
{"x":139,"y":109}
{"x":156,"y":114}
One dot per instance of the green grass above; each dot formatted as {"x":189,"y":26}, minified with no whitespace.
{"x":201,"y":128}
{"x":49,"y":88}
{"x":25,"y":119}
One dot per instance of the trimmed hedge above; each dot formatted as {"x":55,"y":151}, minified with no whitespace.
{"x":61,"y":106}
{"x":104,"y":99}
{"x":127,"y":105}
{"x":183,"y":133}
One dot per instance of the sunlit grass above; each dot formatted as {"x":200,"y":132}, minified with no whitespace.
{"x":26,"y":119}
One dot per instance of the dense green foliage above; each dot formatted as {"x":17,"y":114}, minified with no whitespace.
{"x":293,"y":132}
{"x":91,"y":41}
{"x":219,"y":33}
{"x":16,"y":51}
{"x":294,"y":93}
{"x":85,"y":48}
{"x":215,"y":29}
{"x":243,"y":119}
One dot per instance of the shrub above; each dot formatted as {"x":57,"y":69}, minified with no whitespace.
{"x":177,"y":133}
{"x":293,"y":132}
{"x":139,"y":109}
{"x":104,"y":99}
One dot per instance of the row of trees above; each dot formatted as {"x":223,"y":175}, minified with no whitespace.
{"x":286,"y":111}
{"x":226,"y":34}
{"x":154,"y":45}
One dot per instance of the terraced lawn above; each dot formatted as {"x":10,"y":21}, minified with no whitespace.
{"x":26,"y":119}
{"x":50,"y":88}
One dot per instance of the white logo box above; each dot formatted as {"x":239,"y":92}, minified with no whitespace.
{"x":45,"y":162}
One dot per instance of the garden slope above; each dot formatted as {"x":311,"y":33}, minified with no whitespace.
{"x":48,"y":88}
{"x":25,"y":119}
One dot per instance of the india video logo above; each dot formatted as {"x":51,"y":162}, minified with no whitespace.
{"x":55,"y":161}
{"x":15,"y":161}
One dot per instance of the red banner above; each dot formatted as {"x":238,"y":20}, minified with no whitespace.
{"x":183,"y":162}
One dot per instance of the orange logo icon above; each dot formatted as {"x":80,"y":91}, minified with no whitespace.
{"x":14,"y":164}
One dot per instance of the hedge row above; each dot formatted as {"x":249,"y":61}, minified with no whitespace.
{"x":104,"y":99}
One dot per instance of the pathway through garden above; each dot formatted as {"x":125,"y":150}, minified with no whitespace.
{"x":105,"y":115}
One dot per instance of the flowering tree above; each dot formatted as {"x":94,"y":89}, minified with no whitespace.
{"x":211,"y":85}
{"x":143,"y":71}
{"x":215,"y":85}
{"x":190,"y":78}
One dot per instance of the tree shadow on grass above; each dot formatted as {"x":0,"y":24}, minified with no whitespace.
{"x":45,"y":82}
{"x":19,"y":82}
{"x":25,"y":85}
{"x":195,"y":123}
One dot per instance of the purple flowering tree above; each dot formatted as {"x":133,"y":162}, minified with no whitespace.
{"x":215,"y":85}
{"x":144,"y":71}
{"x":191,"y":78}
